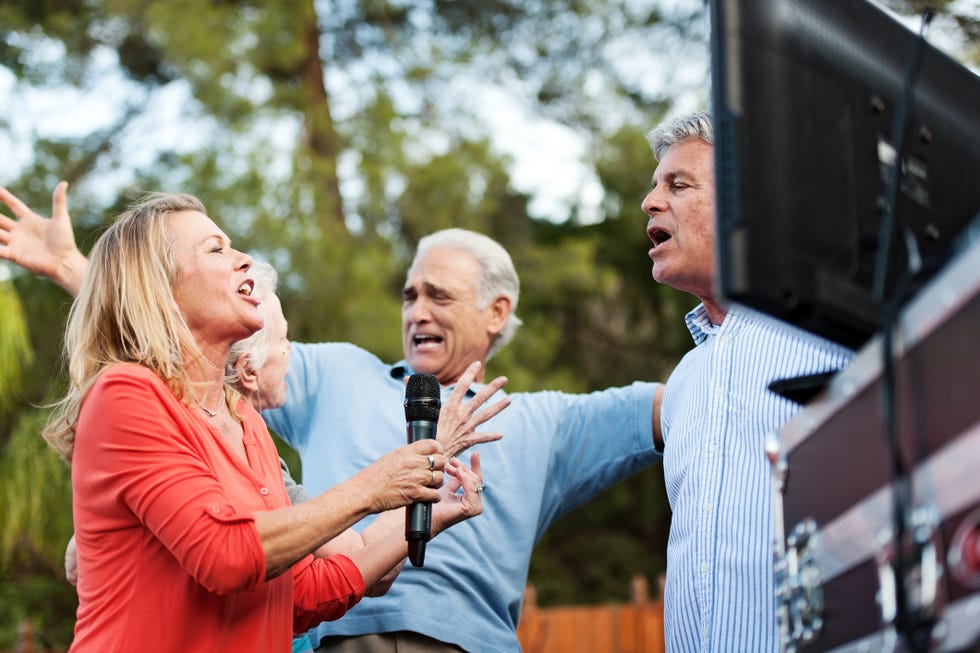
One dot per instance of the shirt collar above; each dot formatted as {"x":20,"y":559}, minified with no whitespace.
{"x":699,"y":324}
{"x":402,"y":370}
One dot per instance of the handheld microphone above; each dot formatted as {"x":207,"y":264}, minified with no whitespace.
{"x":422,"y":405}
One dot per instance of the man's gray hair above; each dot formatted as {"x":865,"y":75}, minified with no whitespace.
{"x":673,"y":131}
{"x":499,"y":276}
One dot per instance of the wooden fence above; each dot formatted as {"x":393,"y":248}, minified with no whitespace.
{"x":635,"y":627}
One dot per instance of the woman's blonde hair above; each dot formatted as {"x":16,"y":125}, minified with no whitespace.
{"x":125,"y":311}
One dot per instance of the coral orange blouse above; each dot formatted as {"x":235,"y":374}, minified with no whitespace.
{"x":168,"y":556}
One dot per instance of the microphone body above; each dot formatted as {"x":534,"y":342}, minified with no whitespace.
{"x":422,"y":404}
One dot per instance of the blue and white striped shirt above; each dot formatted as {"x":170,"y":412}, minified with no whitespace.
{"x":716,"y":413}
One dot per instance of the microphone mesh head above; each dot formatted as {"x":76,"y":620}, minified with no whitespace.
{"x":422,"y":398}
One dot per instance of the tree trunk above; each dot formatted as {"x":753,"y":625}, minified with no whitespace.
{"x":321,"y":137}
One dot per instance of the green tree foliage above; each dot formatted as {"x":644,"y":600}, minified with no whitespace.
{"x":327,"y":138}
{"x":959,"y":23}
{"x":35,"y":490}
{"x":35,"y":524}
{"x":328,"y":141}
{"x":15,"y":347}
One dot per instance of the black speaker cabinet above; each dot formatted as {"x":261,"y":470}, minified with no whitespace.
{"x":857,"y":570}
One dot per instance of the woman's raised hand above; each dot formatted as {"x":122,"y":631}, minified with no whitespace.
{"x":44,"y":246}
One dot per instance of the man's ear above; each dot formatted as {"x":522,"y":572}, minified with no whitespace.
{"x":500,"y":312}
{"x":248,"y":378}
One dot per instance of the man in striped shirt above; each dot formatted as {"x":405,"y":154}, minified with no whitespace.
{"x":716,"y":413}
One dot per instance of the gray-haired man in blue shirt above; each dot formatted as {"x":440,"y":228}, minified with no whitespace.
{"x":558,"y":451}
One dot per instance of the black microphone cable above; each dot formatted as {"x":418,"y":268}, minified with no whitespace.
{"x":907,"y":625}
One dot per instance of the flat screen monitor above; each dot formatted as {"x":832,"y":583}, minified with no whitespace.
{"x":805,"y":95}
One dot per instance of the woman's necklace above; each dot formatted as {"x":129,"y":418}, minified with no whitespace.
{"x":210,"y":413}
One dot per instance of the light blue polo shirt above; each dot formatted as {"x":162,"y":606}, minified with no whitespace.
{"x":344,"y":410}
